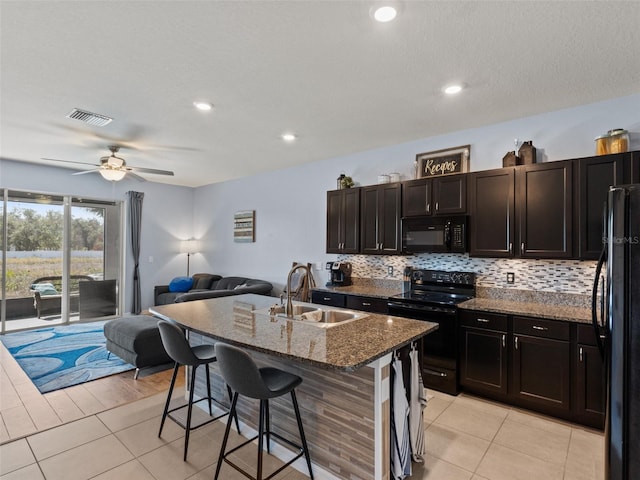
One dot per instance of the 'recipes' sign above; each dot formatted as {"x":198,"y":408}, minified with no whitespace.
{"x":443,"y":162}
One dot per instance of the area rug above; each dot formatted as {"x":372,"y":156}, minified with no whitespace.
{"x":59,"y":357}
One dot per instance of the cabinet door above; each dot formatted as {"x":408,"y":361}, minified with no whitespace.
{"x":380,"y":219}
{"x":492,"y":213}
{"x":483,"y":361}
{"x":545,"y":210}
{"x":589,"y":385}
{"x":351,"y":236}
{"x":450,"y":195}
{"x":595,"y":176}
{"x":541,"y":373}
{"x":416,"y":197}
{"x":334,"y":221}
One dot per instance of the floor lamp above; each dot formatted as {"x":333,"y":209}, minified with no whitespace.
{"x":189,"y":247}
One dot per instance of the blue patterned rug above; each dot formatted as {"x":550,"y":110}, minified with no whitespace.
{"x":59,"y":357}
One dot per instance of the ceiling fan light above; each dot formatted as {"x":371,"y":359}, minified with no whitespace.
{"x":112,"y":175}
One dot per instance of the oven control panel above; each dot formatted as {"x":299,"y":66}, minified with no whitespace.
{"x":438,"y":276}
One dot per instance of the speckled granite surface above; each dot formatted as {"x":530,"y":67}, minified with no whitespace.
{"x":346,"y":347}
{"x":368,"y":287}
{"x":550,"y":305}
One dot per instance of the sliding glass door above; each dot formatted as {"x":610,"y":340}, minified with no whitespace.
{"x":61,"y":259}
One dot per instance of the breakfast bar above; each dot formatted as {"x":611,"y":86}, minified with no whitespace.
{"x":345,"y":366}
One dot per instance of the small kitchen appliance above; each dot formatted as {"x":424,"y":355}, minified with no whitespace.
{"x":340,"y":274}
{"x":433,"y":296}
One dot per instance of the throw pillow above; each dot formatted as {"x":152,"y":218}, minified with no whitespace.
{"x":181,"y":284}
{"x":44,"y":288}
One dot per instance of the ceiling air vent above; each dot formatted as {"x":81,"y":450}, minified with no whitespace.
{"x":90,"y":118}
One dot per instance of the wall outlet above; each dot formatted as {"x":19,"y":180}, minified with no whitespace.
{"x":328,"y":266}
{"x":390,"y":270}
{"x":318,"y":265}
{"x":511,"y":277}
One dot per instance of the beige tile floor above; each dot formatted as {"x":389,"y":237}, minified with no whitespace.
{"x":466,"y":438}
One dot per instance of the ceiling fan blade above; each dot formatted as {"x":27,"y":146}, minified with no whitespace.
{"x":69,"y":161}
{"x":84,"y":171}
{"x":149,"y":170}
{"x":137,"y":177}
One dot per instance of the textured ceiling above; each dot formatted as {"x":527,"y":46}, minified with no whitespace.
{"x":322,"y":69}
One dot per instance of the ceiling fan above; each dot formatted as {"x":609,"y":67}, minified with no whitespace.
{"x":114,"y":168}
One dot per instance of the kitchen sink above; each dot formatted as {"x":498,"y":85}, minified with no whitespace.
{"x":314,"y":315}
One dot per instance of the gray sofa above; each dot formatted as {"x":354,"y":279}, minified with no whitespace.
{"x":206,"y":285}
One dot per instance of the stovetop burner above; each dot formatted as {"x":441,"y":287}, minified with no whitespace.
{"x":437,"y":287}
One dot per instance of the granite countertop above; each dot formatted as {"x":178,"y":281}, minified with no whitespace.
{"x":568,"y":313}
{"x":347,"y":346}
{"x":363,"y":290}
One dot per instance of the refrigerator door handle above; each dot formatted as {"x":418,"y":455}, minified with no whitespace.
{"x":594,"y":300}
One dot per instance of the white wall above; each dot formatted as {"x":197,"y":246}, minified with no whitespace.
{"x":167,"y":216}
{"x":290,"y":204}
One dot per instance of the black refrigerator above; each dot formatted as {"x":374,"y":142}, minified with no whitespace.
{"x":617,"y":321}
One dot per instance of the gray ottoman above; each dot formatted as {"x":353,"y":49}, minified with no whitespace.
{"x":136,"y":340}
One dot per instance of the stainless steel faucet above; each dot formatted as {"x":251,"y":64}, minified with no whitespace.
{"x":289,"y":310}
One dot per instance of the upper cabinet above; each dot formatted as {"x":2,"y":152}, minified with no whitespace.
{"x":446,"y":195}
{"x":343,"y":221}
{"x":492,"y":213}
{"x":595,"y":176}
{"x":524,"y":211}
{"x":544,"y":210}
{"x":380,"y":219}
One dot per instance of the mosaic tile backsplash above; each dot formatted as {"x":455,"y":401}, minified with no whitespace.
{"x":564,"y":276}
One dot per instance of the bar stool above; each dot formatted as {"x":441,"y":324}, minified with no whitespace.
{"x":244,"y":377}
{"x":178,"y":348}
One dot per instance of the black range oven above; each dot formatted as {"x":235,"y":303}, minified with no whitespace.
{"x":433,"y":296}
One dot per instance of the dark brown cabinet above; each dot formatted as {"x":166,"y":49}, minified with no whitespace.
{"x":525,"y":211}
{"x":343,"y":221}
{"x":367,"y":304}
{"x":541,"y":366}
{"x":595,"y":176}
{"x":332,"y":299}
{"x":544,"y":210}
{"x":590,"y":381}
{"x":483,"y":357}
{"x":445,"y":195}
{"x":492,"y":213}
{"x":380,"y":219}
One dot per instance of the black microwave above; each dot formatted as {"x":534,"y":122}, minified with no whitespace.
{"x":434,"y":234}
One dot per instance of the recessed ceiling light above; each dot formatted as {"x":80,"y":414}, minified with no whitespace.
{"x":385,"y":13}
{"x":288,"y":137}
{"x":204,"y":106}
{"x":453,"y":89}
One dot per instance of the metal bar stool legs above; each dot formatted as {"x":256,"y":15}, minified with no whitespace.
{"x":244,"y":377}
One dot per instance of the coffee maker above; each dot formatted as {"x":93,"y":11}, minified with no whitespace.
{"x":340,"y":274}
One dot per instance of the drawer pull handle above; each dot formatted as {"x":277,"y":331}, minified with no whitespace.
{"x":483,"y":320}
{"x":437,"y":206}
{"x":326,"y":299}
{"x":428,"y":207}
{"x":511,"y":248}
{"x":504,"y":341}
{"x":366,"y":304}
{"x":522,"y":249}
{"x":516,"y":341}
{"x":543,"y":329}
{"x":581,"y":356}
{"x":434,"y":373}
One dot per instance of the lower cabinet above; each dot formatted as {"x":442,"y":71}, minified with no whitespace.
{"x":549,"y":366}
{"x":354,"y":302}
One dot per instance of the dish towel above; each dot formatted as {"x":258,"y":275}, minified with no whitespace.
{"x":400,"y":443}
{"x":417,"y":404}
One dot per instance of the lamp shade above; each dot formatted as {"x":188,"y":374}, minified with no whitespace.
{"x":189,"y":246}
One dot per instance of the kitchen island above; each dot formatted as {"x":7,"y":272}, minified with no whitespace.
{"x":345,"y":394}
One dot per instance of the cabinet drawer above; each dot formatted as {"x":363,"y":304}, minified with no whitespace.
{"x":367,"y":304}
{"x":541,"y":328}
{"x":587,"y":335}
{"x":328,"y":298}
{"x":489,"y":321}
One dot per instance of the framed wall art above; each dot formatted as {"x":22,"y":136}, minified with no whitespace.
{"x":244,"y":226}
{"x":443,"y":162}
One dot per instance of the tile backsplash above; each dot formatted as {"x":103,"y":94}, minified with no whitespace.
{"x":565,"y":276}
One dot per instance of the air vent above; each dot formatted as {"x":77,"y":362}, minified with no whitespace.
{"x":90,"y":118}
